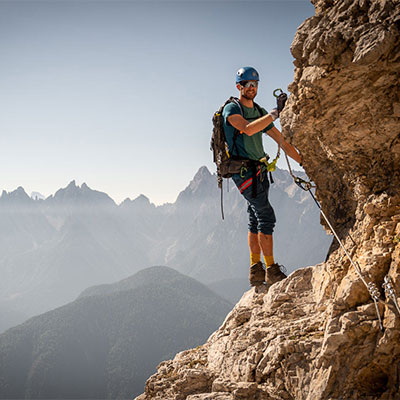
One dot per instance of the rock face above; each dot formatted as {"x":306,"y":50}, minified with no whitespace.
{"x":316,"y":335}
{"x":344,"y":110}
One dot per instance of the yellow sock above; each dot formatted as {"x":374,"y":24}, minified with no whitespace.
{"x":254,"y":258}
{"x":269,"y":260}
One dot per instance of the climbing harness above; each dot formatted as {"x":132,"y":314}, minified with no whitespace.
{"x":371,"y":286}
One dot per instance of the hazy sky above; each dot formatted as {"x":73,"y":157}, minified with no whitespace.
{"x":120,"y":94}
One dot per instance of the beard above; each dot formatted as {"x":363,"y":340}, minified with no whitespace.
{"x":249,"y":96}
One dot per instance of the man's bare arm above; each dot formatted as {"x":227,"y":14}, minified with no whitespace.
{"x":249,"y":128}
{"x":287,"y":147}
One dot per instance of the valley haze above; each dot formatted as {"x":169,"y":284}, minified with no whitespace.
{"x":55,"y":248}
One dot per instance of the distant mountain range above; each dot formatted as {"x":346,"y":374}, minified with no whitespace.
{"x":52,"y":249}
{"x":107,"y":342}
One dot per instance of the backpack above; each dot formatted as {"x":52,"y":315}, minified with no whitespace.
{"x":227,"y":163}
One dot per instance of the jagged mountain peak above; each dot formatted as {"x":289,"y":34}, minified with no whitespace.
{"x":202,"y":185}
{"x":20,"y":191}
{"x":141,"y":203}
{"x":16,"y":196}
{"x":203,"y":172}
{"x":72,"y":184}
{"x":72,"y":193}
{"x":142,"y":199}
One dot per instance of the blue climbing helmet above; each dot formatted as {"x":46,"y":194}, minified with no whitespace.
{"x":247,"y":74}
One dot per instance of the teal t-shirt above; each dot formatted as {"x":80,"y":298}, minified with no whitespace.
{"x":248,"y":146}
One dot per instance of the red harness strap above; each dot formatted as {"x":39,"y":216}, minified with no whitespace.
{"x":247,"y":183}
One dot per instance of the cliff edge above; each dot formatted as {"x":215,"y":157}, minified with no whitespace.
{"x":316,"y":335}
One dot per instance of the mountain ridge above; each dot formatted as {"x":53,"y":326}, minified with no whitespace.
{"x":53,"y":250}
{"x":78,"y":350}
{"x":76,"y":192}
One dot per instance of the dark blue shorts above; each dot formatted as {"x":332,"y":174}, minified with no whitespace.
{"x":261,"y":214}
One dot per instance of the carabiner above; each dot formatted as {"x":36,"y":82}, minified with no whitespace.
{"x":303,"y":184}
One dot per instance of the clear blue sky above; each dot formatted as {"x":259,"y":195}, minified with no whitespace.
{"x":120,"y":94}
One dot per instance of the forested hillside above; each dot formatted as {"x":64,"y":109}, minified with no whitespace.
{"x":107,"y":342}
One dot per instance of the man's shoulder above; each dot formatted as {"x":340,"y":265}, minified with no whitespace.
{"x":231,"y":109}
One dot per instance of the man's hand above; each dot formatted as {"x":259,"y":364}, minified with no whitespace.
{"x":274,"y":113}
{"x":281,"y":101}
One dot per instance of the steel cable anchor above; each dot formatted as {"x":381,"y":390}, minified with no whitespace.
{"x":390,"y":292}
{"x":374,"y":293}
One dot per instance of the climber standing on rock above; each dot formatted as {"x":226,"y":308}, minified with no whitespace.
{"x":243,"y":124}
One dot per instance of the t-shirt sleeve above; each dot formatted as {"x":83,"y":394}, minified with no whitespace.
{"x":230,"y":109}
{"x":271,"y":125}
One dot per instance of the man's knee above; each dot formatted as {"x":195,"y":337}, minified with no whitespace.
{"x":253,"y":229}
{"x":266,"y":230}
{"x":266,"y":220}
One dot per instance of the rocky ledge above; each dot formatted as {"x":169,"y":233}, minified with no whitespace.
{"x":316,"y":335}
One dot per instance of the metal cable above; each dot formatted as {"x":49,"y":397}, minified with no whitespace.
{"x":372,"y":288}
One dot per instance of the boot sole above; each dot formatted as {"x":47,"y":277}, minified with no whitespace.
{"x":275,"y":281}
{"x":257,"y":283}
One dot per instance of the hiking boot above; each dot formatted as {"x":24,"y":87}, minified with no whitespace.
{"x":257,"y":274}
{"x":274,"y":273}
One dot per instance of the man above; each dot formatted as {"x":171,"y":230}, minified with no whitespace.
{"x":253,"y":182}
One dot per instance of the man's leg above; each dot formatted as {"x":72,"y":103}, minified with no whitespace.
{"x":273,"y":271}
{"x":257,"y":272}
{"x":261,"y":218}
{"x":261,"y":243}
{"x":266,"y":244}
{"x":266,"y":222}
{"x":255,"y":249}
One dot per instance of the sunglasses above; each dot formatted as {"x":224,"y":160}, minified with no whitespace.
{"x":248,"y":84}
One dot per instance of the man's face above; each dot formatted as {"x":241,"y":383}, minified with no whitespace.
{"x":248,"y":89}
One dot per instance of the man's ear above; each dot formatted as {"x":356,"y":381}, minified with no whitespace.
{"x":239,"y":87}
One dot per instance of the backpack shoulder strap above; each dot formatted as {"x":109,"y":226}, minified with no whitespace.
{"x":259,"y":109}
{"x":237,"y":102}
{"x":236,"y":132}
{"x":231,"y":100}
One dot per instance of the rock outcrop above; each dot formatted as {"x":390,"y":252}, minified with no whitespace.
{"x":316,"y":335}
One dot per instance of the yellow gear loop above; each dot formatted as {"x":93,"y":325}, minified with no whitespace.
{"x":271,"y":166}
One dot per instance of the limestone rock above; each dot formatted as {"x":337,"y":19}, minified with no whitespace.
{"x":316,"y":334}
